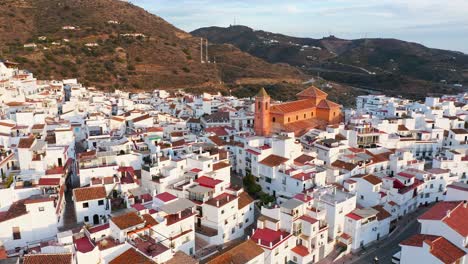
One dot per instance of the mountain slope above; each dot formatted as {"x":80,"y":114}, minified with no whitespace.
{"x":393,"y":66}
{"x":114,"y":44}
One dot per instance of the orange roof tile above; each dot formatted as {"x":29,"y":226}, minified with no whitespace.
{"x":89,"y":193}
{"x":327,"y":104}
{"x":312,"y":91}
{"x":440,"y":247}
{"x":127,"y":220}
{"x":294,"y":106}
{"x":242,"y":253}
{"x":131,"y":256}
{"x":65,"y":258}
{"x":273,"y":160}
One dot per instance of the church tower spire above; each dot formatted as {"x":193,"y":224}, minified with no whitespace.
{"x":262,"y":123}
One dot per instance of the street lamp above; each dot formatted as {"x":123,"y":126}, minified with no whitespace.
{"x":376,"y":260}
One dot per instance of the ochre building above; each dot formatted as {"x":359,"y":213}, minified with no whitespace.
{"x":311,"y":110}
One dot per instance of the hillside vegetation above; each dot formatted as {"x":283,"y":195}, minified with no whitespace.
{"x":112,"y":44}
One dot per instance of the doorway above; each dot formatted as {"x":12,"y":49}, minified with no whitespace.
{"x":96,"y":219}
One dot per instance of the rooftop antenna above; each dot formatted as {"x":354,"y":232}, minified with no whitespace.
{"x":201,"y":50}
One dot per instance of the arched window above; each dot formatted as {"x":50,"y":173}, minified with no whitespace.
{"x":334,"y":114}
{"x":297,"y":117}
{"x":266,"y":106}
{"x":311,"y":113}
{"x":289,"y":119}
{"x":259,"y":105}
{"x":305,"y":115}
{"x":273,"y":119}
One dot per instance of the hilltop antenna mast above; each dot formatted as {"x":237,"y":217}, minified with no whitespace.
{"x":207,"y":61}
{"x":201,"y":50}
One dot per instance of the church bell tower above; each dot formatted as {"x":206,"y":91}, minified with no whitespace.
{"x":262,"y":113}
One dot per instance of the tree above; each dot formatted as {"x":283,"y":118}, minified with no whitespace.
{"x":250,"y":185}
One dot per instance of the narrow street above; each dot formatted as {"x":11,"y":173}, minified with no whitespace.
{"x":387,"y":247}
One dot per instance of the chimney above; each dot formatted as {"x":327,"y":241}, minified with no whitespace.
{"x":465,"y":202}
{"x":259,"y":241}
{"x":448,"y":213}
{"x":228,"y":198}
{"x":271,"y":244}
{"x":217,"y":203}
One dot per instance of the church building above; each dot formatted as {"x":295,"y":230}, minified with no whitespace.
{"x":311,"y":110}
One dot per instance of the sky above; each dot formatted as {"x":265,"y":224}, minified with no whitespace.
{"x":433,"y":23}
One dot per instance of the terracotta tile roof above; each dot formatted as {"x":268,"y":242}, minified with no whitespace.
{"x":312,"y":91}
{"x":460,"y":131}
{"x":344,"y":165}
{"x":300,"y":250}
{"x":221,"y":200}
{"x":149,"y":220}
{"x":244,"y":200}
{"x":440,"y":247}
{"x":218,"y":131}
{"x":26,"y":142}
{"x":308,"y":219}
{"x":453,"y":214}
{"x":220,"y":165}
{"x":141,"y":118}
{"x":303,"y":159}
{"x":38,"y":126}
{"x":127,"y":220}
{"x":240,"y":254}
{"x":65,"y":258}
{"x":372,"y":179}
{"x":382,"y":214}
{"x":7,"y":124}
{"x":131,"y":256}
{"x":273,"y":160}
{"x":217,"y":140}
{"x":16,"y":209}
{"x":327,"y":104}
{"x":180,"y":257}
{"x":293,"y":106}
{"x":89,"y":193}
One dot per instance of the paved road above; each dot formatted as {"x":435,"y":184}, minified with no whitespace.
{"x":386,"y":248}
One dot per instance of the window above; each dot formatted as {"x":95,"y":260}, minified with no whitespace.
{"x":233,"y":230}
{"x":259,"y":105}
{"x":297,"y":117}
{"x":246,"y":220}
{"x":86,"y":219}
{"x":41,"y":209}
{"x":273,"y":119}
{"x":289,"y":119}
{"x":16,"y":233}
{"x":100,"y":202}
{"x":85,"y":205}
{"x":305,"y":115}
{"x":311,"y":113}
{"x":222,"y":211}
